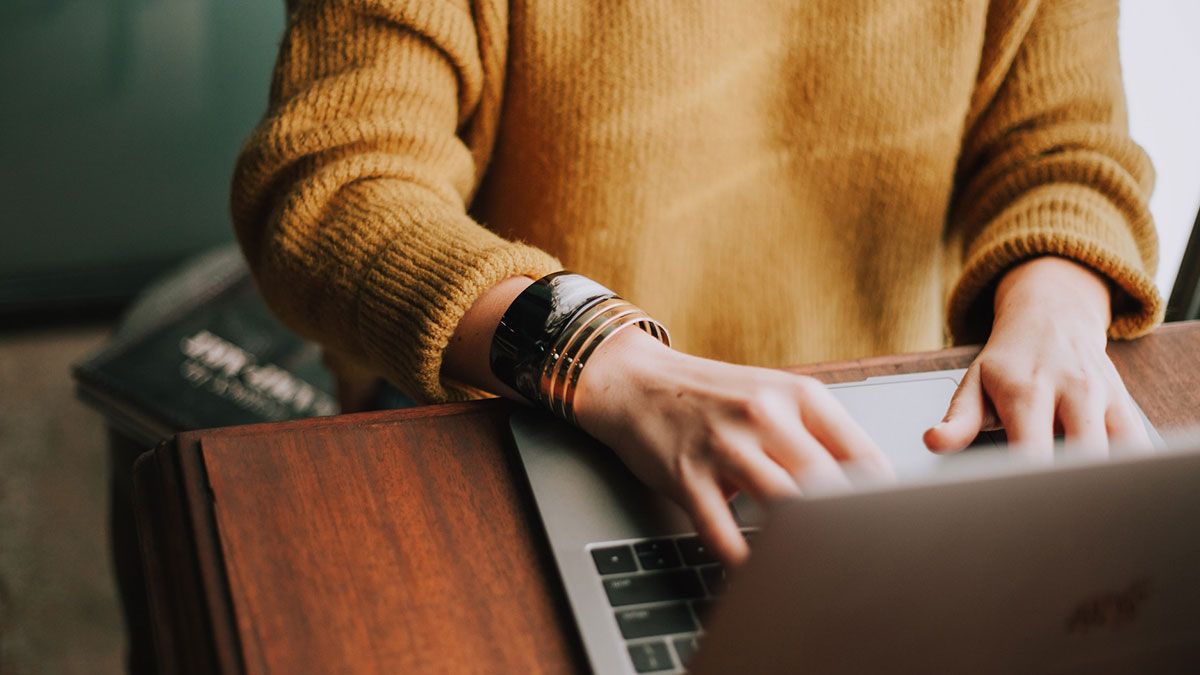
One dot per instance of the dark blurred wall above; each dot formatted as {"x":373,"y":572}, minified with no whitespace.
{"x":119,"y":124}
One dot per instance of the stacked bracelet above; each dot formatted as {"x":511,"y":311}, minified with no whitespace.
{"x":551,"y":329}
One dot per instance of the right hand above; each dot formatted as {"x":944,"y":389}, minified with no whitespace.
{"x":699,"y":431}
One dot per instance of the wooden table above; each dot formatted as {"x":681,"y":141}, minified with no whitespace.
{"x":407,"y":541}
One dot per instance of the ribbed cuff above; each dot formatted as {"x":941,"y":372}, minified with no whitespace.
{"x":416,"y":293}
{"x":1071,"y":222}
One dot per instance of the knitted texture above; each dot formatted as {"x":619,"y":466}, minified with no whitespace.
{"x":777,"y":182}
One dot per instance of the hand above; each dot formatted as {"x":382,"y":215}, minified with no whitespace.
{"x":1044,"y":368}
{"x":699,"y":431}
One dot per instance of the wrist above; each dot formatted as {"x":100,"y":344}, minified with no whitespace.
{"x":614,"y":371}
{"x":549,"y":335}
{"x":1056,"y":287}
{"x":466,"y":357}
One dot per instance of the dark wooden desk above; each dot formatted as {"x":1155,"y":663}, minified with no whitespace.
{"x":407,"y":541}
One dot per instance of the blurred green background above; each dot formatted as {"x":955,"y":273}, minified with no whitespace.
{"x":119,"y":124}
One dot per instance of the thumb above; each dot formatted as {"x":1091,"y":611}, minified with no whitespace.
{"x":963,"y":420}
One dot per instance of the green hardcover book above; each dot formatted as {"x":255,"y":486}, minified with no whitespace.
{"x":219,"y":358}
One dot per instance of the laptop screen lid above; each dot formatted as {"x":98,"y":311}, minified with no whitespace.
{"x":1086,"y":566}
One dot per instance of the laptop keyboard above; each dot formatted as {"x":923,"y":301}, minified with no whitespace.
{"x":660,"y":591}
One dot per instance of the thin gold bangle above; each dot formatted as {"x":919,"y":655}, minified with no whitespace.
{"x":582,"y":336}
{"x":598,"y":328}
{"x":560,"y":371}
{"x":602,"y":334}
{"x":563,"y":348}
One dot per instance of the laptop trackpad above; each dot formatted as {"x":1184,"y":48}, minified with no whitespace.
{"x":895,"y":414}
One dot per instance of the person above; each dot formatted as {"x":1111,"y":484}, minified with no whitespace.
{"x":776,"y":183}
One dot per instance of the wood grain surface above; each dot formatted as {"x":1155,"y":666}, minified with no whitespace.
{"x":407,"y":541}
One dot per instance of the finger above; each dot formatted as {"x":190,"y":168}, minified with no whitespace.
{"x":758,"y":475}
{"x":1027,"y":412}
{"x":1124,"y":425}
{"x":830,"y":425}
{"x":810,"y":464}
{"x":964,"y":418}
{"x":1081,"y":414}
{"x":714,"y":522}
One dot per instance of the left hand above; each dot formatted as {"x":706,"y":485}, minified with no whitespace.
{"x":1045,"y":368}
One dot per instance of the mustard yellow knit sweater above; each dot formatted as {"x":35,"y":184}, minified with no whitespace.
{"x":778,"y":182}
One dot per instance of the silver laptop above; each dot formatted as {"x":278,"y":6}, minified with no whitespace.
{"x":868,"y":574}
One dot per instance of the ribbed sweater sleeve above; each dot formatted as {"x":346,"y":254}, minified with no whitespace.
{"x":349,"y":199}
{"x":1048,"y":167}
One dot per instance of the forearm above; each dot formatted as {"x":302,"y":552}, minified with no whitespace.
{"x":349,"y":200}
{"x":467,"y":357}
{"x":1048,"y":169}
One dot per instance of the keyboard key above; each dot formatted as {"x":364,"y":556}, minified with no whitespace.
{"x":702,"y":608}
{"x":695,"y":552}
{"x":614,"y":560}
{"x":657,"y":587}
{"x":685,"y":647}
{"x":639,"y":623}
{"x":648,"y":657}
{"x":714,"y":578}
{"x":658,"y":554}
